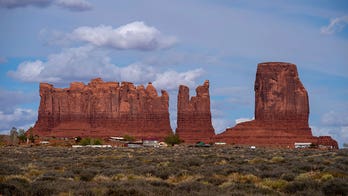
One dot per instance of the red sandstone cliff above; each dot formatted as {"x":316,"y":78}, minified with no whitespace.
{"x":194,"y":116}
{"x":102,"y":109}
{"x":281,"y":111}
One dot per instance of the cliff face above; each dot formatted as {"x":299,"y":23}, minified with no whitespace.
{"x":103,"y":109}
{"x":280,"y":95}
{"x":194,"y":116}
{"x":281,"y":110}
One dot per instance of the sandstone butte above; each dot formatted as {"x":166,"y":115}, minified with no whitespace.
{"x":194,"y":117}
{"x":103,"y":109}
{"x":281,"y":111}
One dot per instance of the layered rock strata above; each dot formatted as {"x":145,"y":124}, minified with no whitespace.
{"x":102,"y":109}
{"x":281,"y":110}
{"x":194,"y":116}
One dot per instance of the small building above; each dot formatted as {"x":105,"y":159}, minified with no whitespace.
{"x":220,"y":143}
{"x":44,"y":142}
{"x":302,"y":144}
{"x":117,"y":139}
{"x":151,"y":143}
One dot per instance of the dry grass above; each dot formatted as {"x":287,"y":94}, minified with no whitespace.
{"x":172,"y":171}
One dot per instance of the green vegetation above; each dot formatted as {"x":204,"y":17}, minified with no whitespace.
{"x":172,"y":139}
{"x":171,"y":171}
{"x":90,"y":141}
{"x":129,"y":138}
{"x":21,"y":135}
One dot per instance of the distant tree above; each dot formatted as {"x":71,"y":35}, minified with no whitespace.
{"x":21,"y":135}
{"x":13,"y":136}
{"x":172,"y":139}
{"x":85,"y":141}
{"x":90,"y":141}
{"x":129,"y":138}
{"x":97,"y":142}
{"x":31,"y":135}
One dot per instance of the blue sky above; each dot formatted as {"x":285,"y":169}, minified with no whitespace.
{"x":176,"y":42}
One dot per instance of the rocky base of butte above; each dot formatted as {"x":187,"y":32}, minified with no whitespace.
{"x":104,"y":109}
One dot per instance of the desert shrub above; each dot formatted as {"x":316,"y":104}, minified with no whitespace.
{"x":165,"y":172}
{"x":246,"y":189}
{"x":298,"y":186}
{"x":87,"y":174}
{"x":257,"y":160}
{"x":337,"y":186}
{"x":8,"y":169}
{"x":195,"y":188}
{"x":277,"y":159}
{"x":124,"y":192}
{"x":215,"y":179}
{"x":85,"y":141}
{"x":42,"y":189}
{"x":172,"y":139}
{"x":288,"y":176}
{"x":16,"y":184}
{"x":274,"y":184}
{"x":9,"y":189}
{"x":129,"y":138}
{"x":90,"y":141}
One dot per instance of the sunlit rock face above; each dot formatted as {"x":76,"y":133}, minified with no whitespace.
{"x":281,"y":110}
{"x":102,"y":109}
{"x":194,"y":116}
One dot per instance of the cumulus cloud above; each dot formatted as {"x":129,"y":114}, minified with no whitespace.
{"x":136,"y":35}
{"x":86,"y":62}
{"x":172,"y":79}
{"x":336,"y":25}
{"x":73,"y":5}
{"x":19,"y":117}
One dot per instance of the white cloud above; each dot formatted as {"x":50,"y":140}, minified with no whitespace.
{"x":136,"y":35}
{"x":336,"y":25}
{"x":19,"y":118}
{"x":29,"y":70}
{"x":86,"y":62}
{"x":20,"y":3}
{"x":172,"y":79}
{"x":73,"y":5}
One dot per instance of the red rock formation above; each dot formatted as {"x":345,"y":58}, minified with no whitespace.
{"x":102,"y":109}
{"x":281,"y":110}
{"x":194,"y":117}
